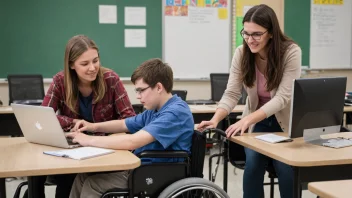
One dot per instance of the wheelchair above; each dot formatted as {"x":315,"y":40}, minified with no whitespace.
{"x":171,"y":180}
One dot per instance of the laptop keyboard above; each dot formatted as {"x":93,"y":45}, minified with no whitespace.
{"x":70,"y":142}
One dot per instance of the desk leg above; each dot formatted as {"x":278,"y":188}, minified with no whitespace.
{"x":297,"y":191}
{"x":35,"y":188}
{"x":2,"y":188}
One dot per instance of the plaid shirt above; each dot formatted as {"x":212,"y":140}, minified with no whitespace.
{"x":114,"y":105}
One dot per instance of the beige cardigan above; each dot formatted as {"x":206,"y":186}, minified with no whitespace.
{"x":280,"y":97}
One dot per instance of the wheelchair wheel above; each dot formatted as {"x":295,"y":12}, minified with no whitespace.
{"x":193,"y":188}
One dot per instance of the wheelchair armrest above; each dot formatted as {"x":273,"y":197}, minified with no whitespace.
{"x":218,"y":131}
{"x":163,"y":154}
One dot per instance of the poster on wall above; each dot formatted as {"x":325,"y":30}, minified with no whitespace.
{"x":181,"y":7}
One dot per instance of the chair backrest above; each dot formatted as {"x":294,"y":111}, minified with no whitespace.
{"x":138,"y":108}
{"x":181,"y":93}
{"x":25,"y":87}
{"x":218,"y":83}
{"x":197,"y":154}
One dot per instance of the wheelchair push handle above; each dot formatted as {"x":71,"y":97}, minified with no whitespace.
{"x":218,"y":131}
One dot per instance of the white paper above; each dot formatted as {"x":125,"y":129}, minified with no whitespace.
{"x":108,"y":14}
{"x":135,"y":16}
{"x":135,"y":38}
{"x":80,"y":153}
{"x":245,"y":9}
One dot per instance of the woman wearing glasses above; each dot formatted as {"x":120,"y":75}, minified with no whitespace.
{"x":265,"y":65}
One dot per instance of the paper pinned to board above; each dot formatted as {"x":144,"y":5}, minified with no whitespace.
{"x":135,"y":38}
{"x":136,"y":16}
{"x":107,"y":14}
{"x":246,"y":8}
{"x":222,"y":13}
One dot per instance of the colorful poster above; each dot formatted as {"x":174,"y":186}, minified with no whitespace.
{"x":200,"y":3}
{"x":169,"y":2}
{"x":208,"y":3}
{"x":184,"y":10}
{"x":178,"y":2}
{"x":168,"y":10}
{"x":194,"y":3}
{"x":222,"y":3}
{"x":222,"y":13}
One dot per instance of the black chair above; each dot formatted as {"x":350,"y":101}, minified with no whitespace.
{"x":138,"y":108}
{"x":218,"y":83}
{"x":26,"y":89}
{"x":181,"y":93}
{"x":168,"y":179}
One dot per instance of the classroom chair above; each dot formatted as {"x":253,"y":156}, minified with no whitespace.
{"x":167,"y":180}
{"x":180,"y":93}
{"x":138,"y":108}
{"x":26,"y":89}
{"x":218,"y":83}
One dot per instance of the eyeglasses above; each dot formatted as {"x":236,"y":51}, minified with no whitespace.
{"x":140,"y":90}
{"x":255,"y":36}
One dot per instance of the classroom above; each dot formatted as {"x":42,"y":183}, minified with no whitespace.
{"x":204,"y":43}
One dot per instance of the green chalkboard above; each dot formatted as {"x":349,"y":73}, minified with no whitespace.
{"x":297,"y":25}
{"x":34,"y":34}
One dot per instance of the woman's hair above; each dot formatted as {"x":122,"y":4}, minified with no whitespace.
{"x":75,"y":47}
{"x":276,"y":47}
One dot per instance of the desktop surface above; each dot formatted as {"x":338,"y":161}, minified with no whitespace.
{"x":339,"y":188}
{"x":298,"y":153}
{"x":27,"y":159}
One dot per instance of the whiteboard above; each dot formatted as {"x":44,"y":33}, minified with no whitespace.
{"x":330,"y":35}
{"x":196,"y":40}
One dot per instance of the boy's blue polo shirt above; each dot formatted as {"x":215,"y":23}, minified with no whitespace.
{"x":172,"y":127}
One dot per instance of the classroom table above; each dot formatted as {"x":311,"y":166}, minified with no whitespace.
{"x":5,"y":110}
{"x":310,"y":162}
{"x":21,"y":158}
{"x":330,"y":189}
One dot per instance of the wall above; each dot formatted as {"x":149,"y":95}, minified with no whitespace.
{"x":196,"y":90}
{"x":201,"y":89}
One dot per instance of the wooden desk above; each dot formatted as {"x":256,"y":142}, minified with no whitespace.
{"x":5,"y":110}
{"x":212,"y":108}
{"x":330,"y":189}
{"x":20,"y":158}
{"x":309,"y":162}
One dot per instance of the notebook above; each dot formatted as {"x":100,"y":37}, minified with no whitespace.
{"x":272,"y":138}
{"x":80,"y":153}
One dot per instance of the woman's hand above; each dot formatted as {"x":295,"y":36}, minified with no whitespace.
{"x":207,"y":125}
{"x":239,"y":127}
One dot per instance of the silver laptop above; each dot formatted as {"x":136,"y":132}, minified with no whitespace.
{"x":40,"y":125}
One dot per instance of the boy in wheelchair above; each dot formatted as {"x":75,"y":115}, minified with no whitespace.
{"x":167,"y":124}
